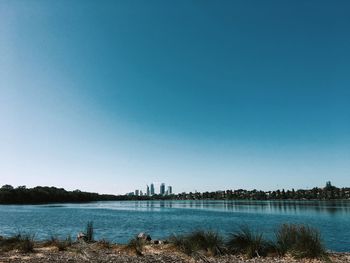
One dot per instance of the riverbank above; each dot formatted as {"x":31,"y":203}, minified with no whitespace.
{"x":104,"y":252}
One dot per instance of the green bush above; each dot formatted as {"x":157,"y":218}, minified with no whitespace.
{"x":26,"y":243}
{"x":286,"y":238}
{"x":209,"y":242}
{"x":252,"y":244}
{"x":300,"y":241}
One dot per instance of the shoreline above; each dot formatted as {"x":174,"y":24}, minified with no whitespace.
{"x":157,"y":200}
{"x":49,"y":195}
{"x":104,"y":252}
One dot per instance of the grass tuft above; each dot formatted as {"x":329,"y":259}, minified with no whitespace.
{"x":89,"y":232}
{"x":62,"y":245}
{"x":183,"y":244}
{"x":9,"y":243}
{"x":252,"y":244}
{"x":300,"y":241}
{"x":286,"y":238}
{"x":208,"y":242}
{"x":24,"y":243}
{"x":105,"y":244}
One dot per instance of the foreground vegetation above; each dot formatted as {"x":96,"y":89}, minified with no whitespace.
{"x":292,"y":241}
{"x":298,"y":241}
{"x":23,"y":243}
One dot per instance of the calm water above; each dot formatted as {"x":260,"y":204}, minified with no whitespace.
{"x":119,"y":221}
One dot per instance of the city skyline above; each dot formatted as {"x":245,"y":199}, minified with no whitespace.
{"x":150,"y":190}
{"x":101,"y":96}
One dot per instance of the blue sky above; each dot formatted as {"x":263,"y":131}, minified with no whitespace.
{"x":109,"y":96}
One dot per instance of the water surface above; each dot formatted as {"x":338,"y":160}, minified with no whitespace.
{"x":119,"y":221}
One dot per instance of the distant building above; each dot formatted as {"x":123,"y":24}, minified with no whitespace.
{"x":147,"y":191}
{"x":162,"y":189}
{"x":152,"y":189}
{"x":170,"y":190}
{"x":137,"y":192}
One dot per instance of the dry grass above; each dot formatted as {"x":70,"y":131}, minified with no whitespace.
{"x":61,"y":245}
{"x":300,"y":241}
{"x":23,"y":243}
{"x":207,"y":243}
{"x":252,"y":244}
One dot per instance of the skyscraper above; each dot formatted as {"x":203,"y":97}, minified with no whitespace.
{"x":162,"y":189}
{"x":170,"y":190}
{"x":147,"y":191}
{"x":137,"y":192}
{"x":152,"y":189}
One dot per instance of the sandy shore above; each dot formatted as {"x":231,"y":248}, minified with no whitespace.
{"x":82,"y":252}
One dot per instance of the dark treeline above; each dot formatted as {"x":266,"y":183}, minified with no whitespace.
{"x":43,"y":195}
{"x":329,"y":192}
{"x":326,"y":193}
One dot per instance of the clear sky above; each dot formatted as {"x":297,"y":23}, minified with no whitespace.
{"x":108,"y":96}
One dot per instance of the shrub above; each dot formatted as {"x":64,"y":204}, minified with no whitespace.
{"x":209,"y":242}
{"x":69,"y":240}
{"x":300,"y":241}
{"x":9,"y":243}
{"x":184,"y":244}
{"x":64,"y":244}
{"x":60,"y":244}
{"x":89,"y":232}
{"x":252,"y":244}
{"x":51,"y":241}
{"x":26,"y":243}
{"x":104,"y":244}
{"x":286,"y":238}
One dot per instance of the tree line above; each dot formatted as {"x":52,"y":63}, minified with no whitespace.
{"x":329,"y":192}
{"x":42,"y":195}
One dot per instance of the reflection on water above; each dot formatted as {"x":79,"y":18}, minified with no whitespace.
{"x":119,"y":221}
{"x":285,"y":206}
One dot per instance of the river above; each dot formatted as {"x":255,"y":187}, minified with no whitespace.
{"x":120,"y":221}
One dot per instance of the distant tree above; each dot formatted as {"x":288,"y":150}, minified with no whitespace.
{"x":7,"y":187}
{"x":329,"y":185}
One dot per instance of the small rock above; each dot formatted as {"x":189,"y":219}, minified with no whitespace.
{"x":81,"y":236}
{"x":144,"y":236}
